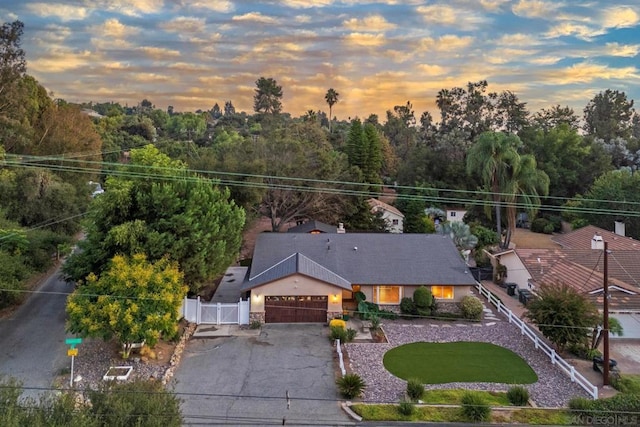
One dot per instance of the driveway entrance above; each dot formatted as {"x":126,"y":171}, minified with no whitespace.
{"x":244,"y":380}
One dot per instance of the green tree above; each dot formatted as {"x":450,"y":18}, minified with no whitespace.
{"x":523,"y":189}
{"x":609,"y":115}
{"x":156,"y":206}
{"x":332,"y":98}
{"x":133,"y":300}
{"x":12,"y":65}
{"x":615,"y":192}
{"x":563,"y":315}
{"x":491,"y":159}
{"x":556,"y":116}
{"x":563,"y":155}
{"x":268,"y":96}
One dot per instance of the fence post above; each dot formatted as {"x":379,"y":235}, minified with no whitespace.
{"x":535,"y":341}
{"x":521,"y":327}
{"x":218,"y":313}
{"x":198,"y":311}
{"x":553,"y":357}
{"x":573,"y":374}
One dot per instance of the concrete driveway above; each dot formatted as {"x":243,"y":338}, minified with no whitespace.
{"x":243,"y":380}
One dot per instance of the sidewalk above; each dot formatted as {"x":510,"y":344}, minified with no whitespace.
{"x":584,"y":367}
{"x":217,"y":331}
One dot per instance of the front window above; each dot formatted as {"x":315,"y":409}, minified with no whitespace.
{"x":395,"y":222}
{"x":387,"y":294}
{"x":442,"y":292}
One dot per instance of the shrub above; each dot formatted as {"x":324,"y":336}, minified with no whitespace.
{"x":350,"y":335}
{"x":471,"y":307}
{"x":338,"y":323}
{"x":359,"y":296}
{"x":423,"y":299}
{"x":415,"y":389}
{"x":548,"y":229}
{"x":518,"y":395}
{"x":350,"y":385}
{"x":337,"y":333}
{"x":474,"y":408}
{"x":406,"y":407}
{"x":581,"y":405}
{"x":538,"y":225}
{"x":255,"y":324}
{"x":407,"y":306}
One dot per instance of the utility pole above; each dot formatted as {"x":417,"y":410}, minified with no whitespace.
{"x":605,"y":322}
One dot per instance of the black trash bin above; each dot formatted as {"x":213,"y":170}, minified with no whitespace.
{"x":598,"y":362}
{"x":524,"y":296}
{"x":511,"y":289}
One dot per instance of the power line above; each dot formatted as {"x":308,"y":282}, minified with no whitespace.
{"x":294,"y":184}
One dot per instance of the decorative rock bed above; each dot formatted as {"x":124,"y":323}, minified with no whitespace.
{"x":553,"y":388}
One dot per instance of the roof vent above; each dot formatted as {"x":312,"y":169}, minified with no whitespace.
{"x":355,"y":248}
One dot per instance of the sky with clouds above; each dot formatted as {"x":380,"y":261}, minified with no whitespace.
{"x":376,"y":54}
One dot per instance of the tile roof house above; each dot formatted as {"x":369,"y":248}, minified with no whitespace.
{"x":310,"y":278}
{"x":392,"y":216}
{"x":577,"y":261}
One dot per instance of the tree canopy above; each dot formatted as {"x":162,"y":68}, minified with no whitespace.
{"x":133,"y":300}
{"x":268,"y":96}
{"x":157,"y":207}
{"x":563,"y":315}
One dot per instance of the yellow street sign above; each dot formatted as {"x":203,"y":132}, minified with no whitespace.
{"x":72,"y":352}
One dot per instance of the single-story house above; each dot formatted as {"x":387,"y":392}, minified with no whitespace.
{"x":391,"y":215}
{"x":313,"y":277}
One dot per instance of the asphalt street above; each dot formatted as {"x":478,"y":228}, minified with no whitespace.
{"x":32,"y":340}
{"x":245,"y":380}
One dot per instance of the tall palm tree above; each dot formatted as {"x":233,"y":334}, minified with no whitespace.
{"x":491,"y":158}
{"x":523,"y":188}
{"x":332,"y":98}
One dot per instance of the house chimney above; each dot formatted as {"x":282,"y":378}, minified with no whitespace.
{"x":620,"y":228}
{"x":341,"y":229}
{"x":597,"y":243}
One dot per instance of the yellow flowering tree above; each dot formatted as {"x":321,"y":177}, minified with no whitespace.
{"x":133,"y":300}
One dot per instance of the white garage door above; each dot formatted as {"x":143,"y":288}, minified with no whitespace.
{"x":630,"y":325}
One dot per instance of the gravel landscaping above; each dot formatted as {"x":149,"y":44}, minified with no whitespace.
{"x":553,"y":388}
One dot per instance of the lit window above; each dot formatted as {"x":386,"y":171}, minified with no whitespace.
{"x":442,"y":292}
{"x":386,"y":294}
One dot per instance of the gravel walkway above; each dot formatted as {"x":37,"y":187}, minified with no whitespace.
{"x":553,"y":389}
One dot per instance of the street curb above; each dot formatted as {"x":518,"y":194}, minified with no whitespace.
{"x":346,"y":407}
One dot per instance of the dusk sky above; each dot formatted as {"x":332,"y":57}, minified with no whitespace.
{"x":376,"y":54}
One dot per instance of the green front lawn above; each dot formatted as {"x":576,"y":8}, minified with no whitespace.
{"x":454,"y":397}
{"x":439,"y":363}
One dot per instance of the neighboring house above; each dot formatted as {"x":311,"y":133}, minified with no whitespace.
{"x":316,"y":227}
{"x":391,"y":215}
{"x":312,"y":278}
{"x":577,"y":261}
{"x":455,"y":215}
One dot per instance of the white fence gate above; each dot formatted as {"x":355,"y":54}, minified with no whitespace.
{"x":216,"y":313}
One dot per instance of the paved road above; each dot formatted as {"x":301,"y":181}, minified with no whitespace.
{"x":243,"y":380}
{"x":32,"y":347}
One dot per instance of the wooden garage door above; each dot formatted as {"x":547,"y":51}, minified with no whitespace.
{"x":295,"y":309}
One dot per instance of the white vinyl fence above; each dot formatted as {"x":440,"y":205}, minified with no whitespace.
{"x":539,"y":343}
{"x":195,"y":311}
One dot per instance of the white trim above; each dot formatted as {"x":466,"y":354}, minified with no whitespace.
{"x":612,"y":287}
